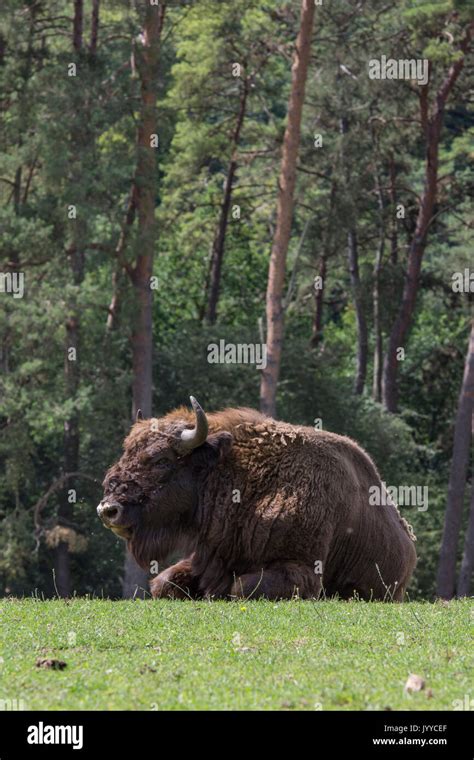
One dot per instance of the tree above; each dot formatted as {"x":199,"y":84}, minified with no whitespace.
{"x":286,"y":189}
{"x":219,"y":238}
{"x":72,"y":348}
{"x":467,"y":563}
{"x":228,"y":63}
{"x":146,"y":56}
{"x":446,"y":578}
{"x":353,"y":261}
{"x":432,"y":119}
{"x":320,"y":278}
{"x":376,"y":306}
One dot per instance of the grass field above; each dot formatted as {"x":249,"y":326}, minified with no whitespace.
{"x":146,"y":655}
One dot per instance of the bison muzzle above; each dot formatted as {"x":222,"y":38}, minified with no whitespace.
{"x":256,"y":508}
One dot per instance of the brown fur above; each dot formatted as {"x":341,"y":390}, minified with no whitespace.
{"x":304,"y":498}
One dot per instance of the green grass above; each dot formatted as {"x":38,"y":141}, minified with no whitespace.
{"x":297,"y":655}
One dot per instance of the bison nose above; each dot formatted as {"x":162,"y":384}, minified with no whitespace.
{"x":109,"y":513}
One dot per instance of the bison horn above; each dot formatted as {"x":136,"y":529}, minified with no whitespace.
{"x":139,"y":416}
{"x":195,"y":437}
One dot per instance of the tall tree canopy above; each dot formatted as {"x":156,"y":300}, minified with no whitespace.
{"x":177,"y":174}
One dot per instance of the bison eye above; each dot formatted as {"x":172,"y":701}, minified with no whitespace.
{"x":113,"y":483}
{"x":162,"y":461}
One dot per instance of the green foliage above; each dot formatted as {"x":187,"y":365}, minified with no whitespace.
{"x":72,"y":140}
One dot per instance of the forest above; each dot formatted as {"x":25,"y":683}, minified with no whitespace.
{"x":262,"y":203}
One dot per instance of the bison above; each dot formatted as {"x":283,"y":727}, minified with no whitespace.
{"x":256,"y":508}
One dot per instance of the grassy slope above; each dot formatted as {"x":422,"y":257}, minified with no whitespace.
{"x":221,"y":655}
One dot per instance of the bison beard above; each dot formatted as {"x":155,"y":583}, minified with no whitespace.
{"x":257,"y":508}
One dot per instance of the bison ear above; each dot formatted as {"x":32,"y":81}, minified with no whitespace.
{"x":214,"y":450}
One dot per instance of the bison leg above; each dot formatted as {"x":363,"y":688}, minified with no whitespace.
{"x":176,"y":582}
{"x":282,"y":581}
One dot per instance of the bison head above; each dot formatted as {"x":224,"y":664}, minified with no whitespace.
{"x":151,"y":495}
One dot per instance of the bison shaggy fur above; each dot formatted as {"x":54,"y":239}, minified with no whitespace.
{"x":257,"y":508}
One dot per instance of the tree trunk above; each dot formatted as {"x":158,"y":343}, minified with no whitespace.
{"x":378,"y":357}
{"x":378,"y":347}
{"x":317,"y":331}
{"x":218,"y":248}
{"x":405,"y":314}
{"x":287,"y":181}
{"x":353,"y":259}
{"x":219,"y":239}
{"x":362,"y":339}
{"x":23,"y":101}
{"x":432,"y":126}
{"x":145,"y":181}
{"x":146,"y":61}
{"x":94,"y":26}
{"x":71,"y":426}
{"x":121,"y":266}
{"x":17,"y":188}
{"x":446,"y":579}
{"x":78,"y":25}
{"x":393,"y":212}
{"x":72,"y":345}
{"x":467,"y":564}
